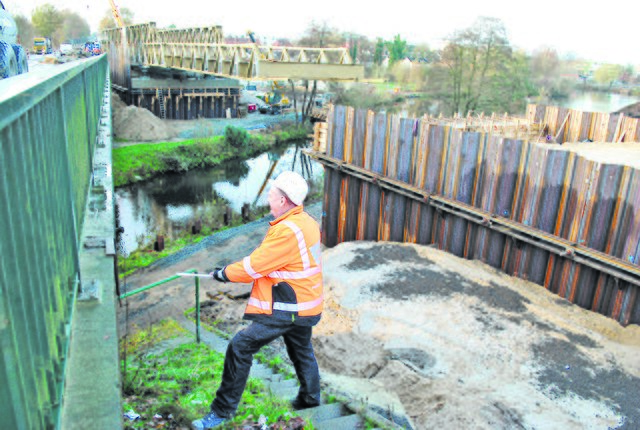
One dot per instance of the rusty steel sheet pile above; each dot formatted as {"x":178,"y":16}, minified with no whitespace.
{"x":533,"y":210}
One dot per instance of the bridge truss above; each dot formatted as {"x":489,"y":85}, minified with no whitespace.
{"x":200,"y":51}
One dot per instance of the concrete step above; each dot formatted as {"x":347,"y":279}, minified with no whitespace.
{"x":286,"y":392}
{"x":323,"y":412}
{"x":349,"y":422}
{"x":260,"y":371}
{"x":285,"y":383}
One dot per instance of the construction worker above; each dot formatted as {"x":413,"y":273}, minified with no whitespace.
{"x":286,"y":300}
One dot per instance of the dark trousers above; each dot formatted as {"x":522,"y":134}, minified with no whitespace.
{"x":237,"y":364}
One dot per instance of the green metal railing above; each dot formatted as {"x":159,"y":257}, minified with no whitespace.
{"x":169,"y":279}
{"x":48,"y":126}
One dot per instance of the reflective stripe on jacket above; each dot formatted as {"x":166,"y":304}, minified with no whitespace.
{"x":285,"y":269}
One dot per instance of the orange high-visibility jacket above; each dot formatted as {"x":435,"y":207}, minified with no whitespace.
{"x":285,"y":269}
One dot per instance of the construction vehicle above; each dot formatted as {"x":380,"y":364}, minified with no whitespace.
{"x":13,"y":57}
{"x":42,"y":45}
{"x":277,"y":96}
{"x":92,"y":48}
{"x":276,"y":99}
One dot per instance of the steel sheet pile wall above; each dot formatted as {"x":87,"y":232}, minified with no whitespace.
{"x":48,"y":133}
{"x":533,"y":210}
{"x":570,"y":125}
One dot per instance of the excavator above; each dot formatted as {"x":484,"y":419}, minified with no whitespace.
{"x":276,"y":99}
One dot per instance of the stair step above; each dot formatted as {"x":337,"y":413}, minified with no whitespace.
{"x":323,"y":412}
{"x":274,"y":377}
{"x":348,"y":422}
{"x":284,"y":392}
{"x":260,"y":371}
{"x":285,"y":383}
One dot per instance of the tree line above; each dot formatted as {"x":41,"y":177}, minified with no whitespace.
{"x":477,"y":70}
{"x":62,"y":25}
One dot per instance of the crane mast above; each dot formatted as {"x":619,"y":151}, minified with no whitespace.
{"x":116,"y":14}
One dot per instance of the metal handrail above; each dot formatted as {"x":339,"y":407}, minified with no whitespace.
{"x":169,"y":279}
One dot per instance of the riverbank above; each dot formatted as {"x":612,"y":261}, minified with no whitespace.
{"x":142,"y":161}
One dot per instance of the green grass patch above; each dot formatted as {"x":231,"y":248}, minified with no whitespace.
{"x":181,"y":382}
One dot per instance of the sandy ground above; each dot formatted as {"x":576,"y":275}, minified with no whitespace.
{"x":449,"y":342}
{"x":465,"y":346}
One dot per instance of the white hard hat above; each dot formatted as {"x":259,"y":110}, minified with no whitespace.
{"x":292,"y":185}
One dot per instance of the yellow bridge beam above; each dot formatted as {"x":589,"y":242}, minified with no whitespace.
{"x":201,"y":50}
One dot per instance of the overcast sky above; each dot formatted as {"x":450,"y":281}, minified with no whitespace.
{"x":604,"y":32}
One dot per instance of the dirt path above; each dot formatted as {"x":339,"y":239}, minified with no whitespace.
{"x":451,"y":342}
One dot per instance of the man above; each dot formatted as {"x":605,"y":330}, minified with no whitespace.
{"x":286,"y":300}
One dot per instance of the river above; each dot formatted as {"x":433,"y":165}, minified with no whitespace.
{"x":593,"y":101}
{"x":170,"y":204}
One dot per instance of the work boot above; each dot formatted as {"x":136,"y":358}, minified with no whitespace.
{"x":298,"y":404}
{"x":209,"y":421}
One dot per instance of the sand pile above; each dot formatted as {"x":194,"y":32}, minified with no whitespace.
{"x":138,"y":124}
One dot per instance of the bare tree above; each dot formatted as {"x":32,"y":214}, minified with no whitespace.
{"x":473,"y":57}
{"x":25,"y":30}
{"x":321,"y":35}
{"x":74,"y":27}
{"x":108,"y":21}
{"x":317,"y":35}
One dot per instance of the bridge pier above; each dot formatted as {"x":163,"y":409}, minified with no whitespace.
{"x":184,"y":95}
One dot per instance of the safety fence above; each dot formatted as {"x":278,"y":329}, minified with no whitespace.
{"x":533,"y":210}
{"x":48,"y":129}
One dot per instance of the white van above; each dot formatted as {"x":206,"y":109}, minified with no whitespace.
{"x":66,"y":48}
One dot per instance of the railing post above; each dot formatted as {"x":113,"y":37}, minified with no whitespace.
{"x":197,"y":309}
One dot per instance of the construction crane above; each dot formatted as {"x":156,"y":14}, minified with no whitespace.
{"x":116,"y":14}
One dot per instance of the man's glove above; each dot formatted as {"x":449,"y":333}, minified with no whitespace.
{"x":218,"y":274}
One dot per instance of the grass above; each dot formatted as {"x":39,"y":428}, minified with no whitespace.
{"x":181,"y":380}
{"x":141,"y":162}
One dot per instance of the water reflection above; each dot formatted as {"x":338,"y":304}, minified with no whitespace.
{"x":170,"y":204}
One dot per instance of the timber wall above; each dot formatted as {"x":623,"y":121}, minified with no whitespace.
{"x":533,"y":210}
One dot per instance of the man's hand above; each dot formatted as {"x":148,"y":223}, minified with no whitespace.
{"x":218,"y":274}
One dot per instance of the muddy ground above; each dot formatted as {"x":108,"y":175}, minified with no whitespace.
{"x":449,"y":342}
